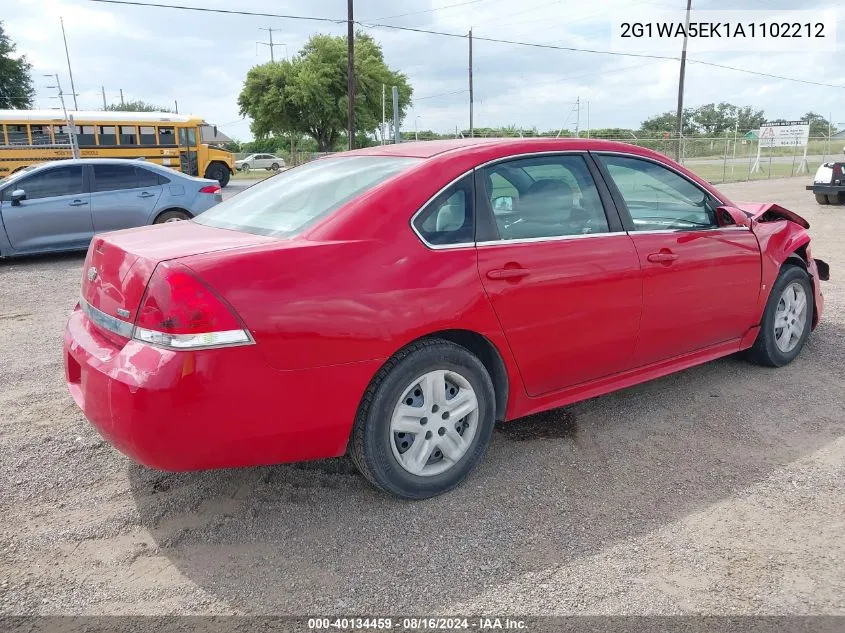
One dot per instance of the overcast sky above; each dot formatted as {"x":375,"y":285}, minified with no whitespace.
{"x":201,"y":59}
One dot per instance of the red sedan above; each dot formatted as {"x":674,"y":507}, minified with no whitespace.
{"x":394,"y":302}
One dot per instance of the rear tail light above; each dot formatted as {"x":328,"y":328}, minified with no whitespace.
{"x":179,"y":312}
{"x":210,"y":189}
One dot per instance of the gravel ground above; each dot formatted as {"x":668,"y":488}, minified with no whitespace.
{"x":717,"y":490}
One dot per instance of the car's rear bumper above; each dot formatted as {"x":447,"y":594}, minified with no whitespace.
{"x":825,"y":189}
{"x":209,"y":408}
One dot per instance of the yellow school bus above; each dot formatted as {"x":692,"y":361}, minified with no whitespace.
{"x":29,"y":137}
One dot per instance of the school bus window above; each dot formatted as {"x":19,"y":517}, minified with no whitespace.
{"x":40,"y":134}
{"x":18,"y":134}
{"x":192,"y":137}
{"x":3,"y":139}
{"x":166,"y":136}
{"x":128,"y":135}
{"x":85,"y":136}
{"x":108,"y":135}
{"x":147,"y":135}
{"x":61,"y":136}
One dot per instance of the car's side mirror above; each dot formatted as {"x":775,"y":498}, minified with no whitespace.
{"x":17,"y":196}
{"x":731,"y":216}
{"x":503,"y":203}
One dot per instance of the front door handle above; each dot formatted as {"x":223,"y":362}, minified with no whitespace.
{"x":146,"y":194}
{"x":662,"y":258}
{"x":78,"y":203}
{"x":507,"y":273}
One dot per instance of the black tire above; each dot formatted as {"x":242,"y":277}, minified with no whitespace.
{"x":218,"y":172}
{"x":765,"y":350}
{"x":172,"y":216}
{"x":833,"y":198}
{"x":370,"y":444}
{"x":821,"y":198}
{"x":274,"y":167}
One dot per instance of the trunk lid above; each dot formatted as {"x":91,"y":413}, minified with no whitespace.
{"x":770,"y":212}
{"x":119,"y":264}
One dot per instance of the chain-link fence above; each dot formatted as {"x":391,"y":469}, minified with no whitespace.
{"x":716,"y":159}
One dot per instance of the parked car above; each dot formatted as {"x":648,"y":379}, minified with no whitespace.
{"x":260,"y":161}
{"x":59,"y":206}
{"x":394,"y":302}
{"x":829,"y":183}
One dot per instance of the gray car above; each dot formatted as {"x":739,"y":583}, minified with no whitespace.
{"x":59,"y":206}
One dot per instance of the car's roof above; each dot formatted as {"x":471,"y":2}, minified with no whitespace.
{"x":429,"y":149}
{"x":104,"y":161}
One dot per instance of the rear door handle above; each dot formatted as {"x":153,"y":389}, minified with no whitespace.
{"x":662,"y":257}
{"x":507,"y":273}
{"x":78,"y":203}
{"x":146,"y":194}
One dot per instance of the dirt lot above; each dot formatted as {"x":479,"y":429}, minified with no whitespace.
{"x":717,"y":490}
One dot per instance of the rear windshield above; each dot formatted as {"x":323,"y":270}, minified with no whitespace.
{"x":286,"y":203}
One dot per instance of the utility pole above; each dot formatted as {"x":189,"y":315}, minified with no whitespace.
{"x":350,"y":71}
{"x":397,"y":134}
{"x":74,"y":147}
{"x":271,"y":44}
{"x":588,"y":119}
{"x":121,"y":97}
{"x":679,"y":123}
{"x":176,"y":104}
{"x":471,"y":129}
{"x":577,"y":115}
{"x":105,"y":105}
{"x":69,"y":71}
{"x":383,"y":123}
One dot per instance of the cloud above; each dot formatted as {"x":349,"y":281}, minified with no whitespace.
{"x":199,"y":59}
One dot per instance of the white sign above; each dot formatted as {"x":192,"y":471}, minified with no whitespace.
{"x":788,"y":134}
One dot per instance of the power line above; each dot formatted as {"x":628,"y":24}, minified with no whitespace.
{"x":440,"y":94}
{"x":445,"y":6}
{"x":462,"y":36}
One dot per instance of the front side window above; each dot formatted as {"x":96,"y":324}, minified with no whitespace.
{"x":448,"y":219}
{"x":546,"y":196}
{"x":658,"y":198}
{"x":61,"y":181}
{"x":114,"y":177}
{"x":289,"y":202}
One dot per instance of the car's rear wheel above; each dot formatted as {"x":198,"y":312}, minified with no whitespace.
{"x":787,"y":320}
{"x":833,"y":198}
{"x":218,"y":172}
{"x":172,"y":216}
{"x":425,"y":420}
{"x":821,"y":198}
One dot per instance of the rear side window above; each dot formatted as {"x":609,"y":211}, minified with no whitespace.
{"x":114,"y":177}
{"x":146,"y":178}
{"x":448,"y":219}
{"x":287,"y":203}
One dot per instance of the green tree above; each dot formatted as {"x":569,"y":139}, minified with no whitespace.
{"x":714,"y":120}
{"x":308,"y":93}
{"x":136,"y":106}
{"x":748,"y":118}
{"x":660,"y":124}
{"x":16,"y":89}
{"x":819,"y":125}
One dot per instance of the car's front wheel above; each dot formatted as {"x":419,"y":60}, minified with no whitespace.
{"x":244,"y":168}
{"x":425,"y":421}
{"x":787,"y":320}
